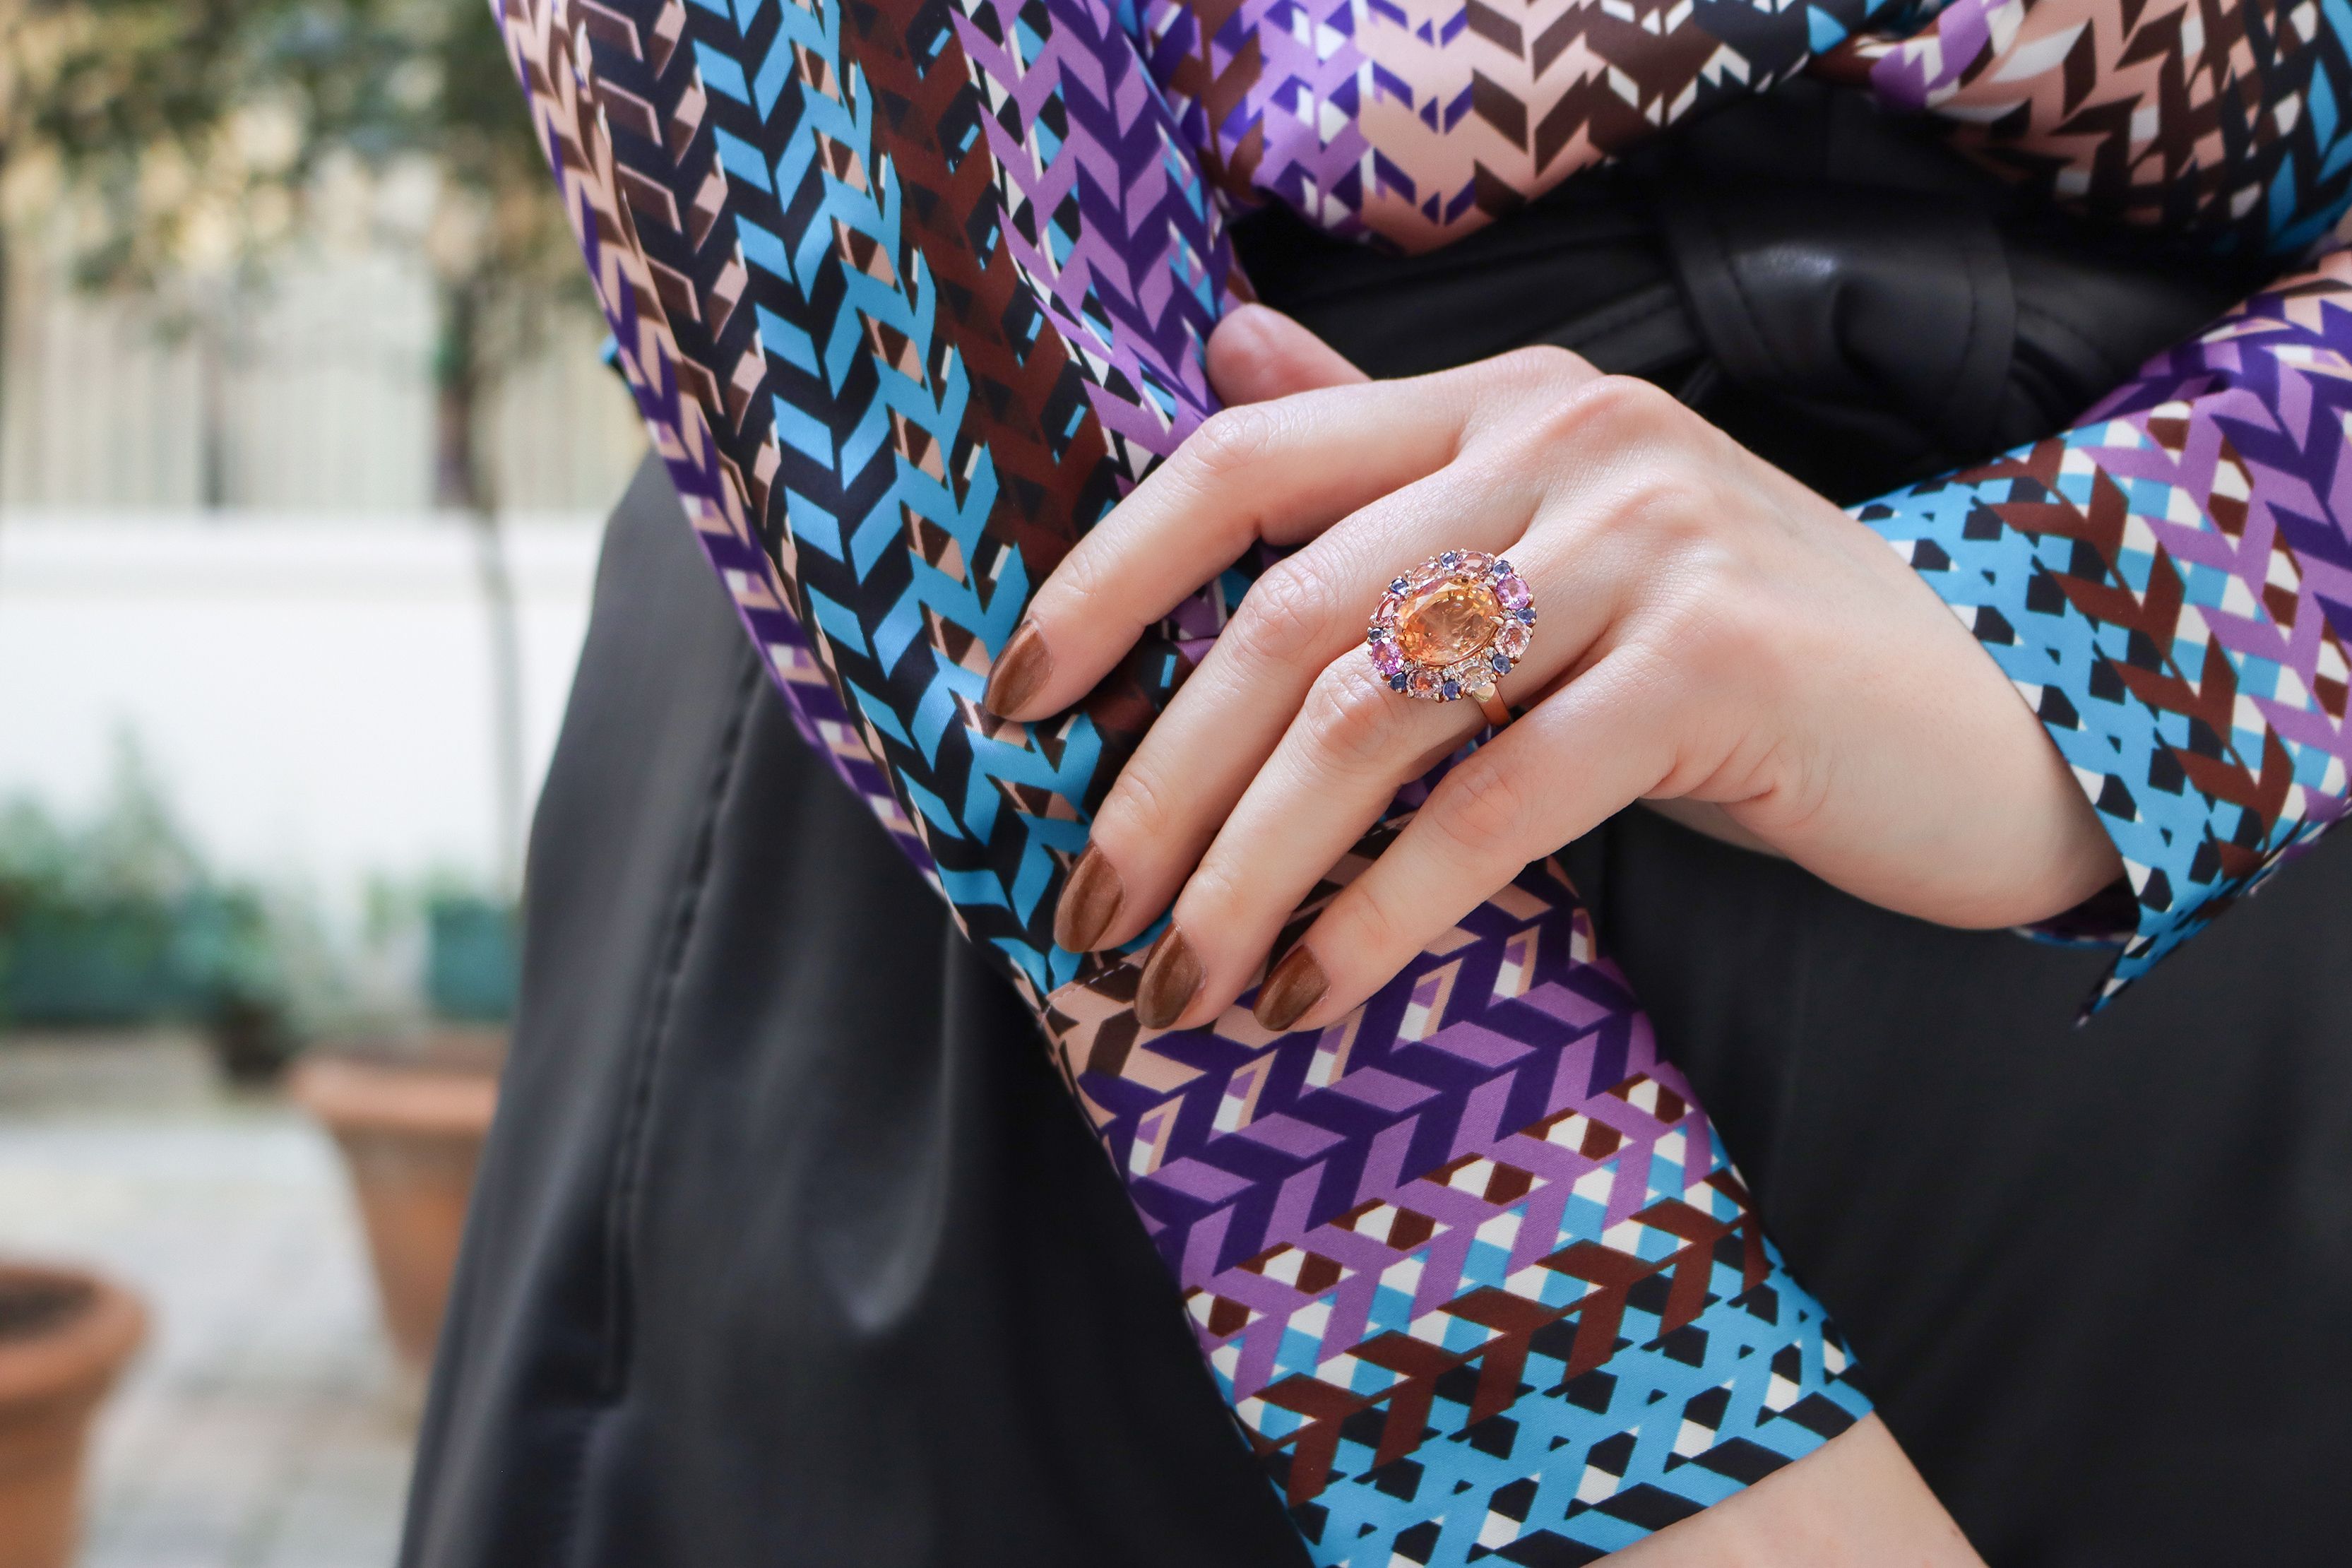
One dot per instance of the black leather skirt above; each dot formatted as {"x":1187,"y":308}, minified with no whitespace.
{"x":791,"y":1252}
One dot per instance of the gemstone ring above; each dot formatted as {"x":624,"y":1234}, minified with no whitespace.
{"x":1452,"y":626}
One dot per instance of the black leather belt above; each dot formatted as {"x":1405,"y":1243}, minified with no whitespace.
{"x":1829,"y":282}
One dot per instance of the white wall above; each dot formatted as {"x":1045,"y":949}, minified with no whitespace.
{"x":314,"y":692}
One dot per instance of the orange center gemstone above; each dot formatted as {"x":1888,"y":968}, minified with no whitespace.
{"x":1448,"y":623}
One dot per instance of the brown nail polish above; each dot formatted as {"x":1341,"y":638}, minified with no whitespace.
{"x":1171,"y":975}
{"x":1297,"y":984}
{"x":1019,"y":673}
{"x":1089,"y":902}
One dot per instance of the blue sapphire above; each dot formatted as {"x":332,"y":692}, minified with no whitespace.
{"x":1502,"y":665}
{"x":1450,"y":560}
{"x":1397,"y":586}
{"x":1374,"y":633}
{"x":1528,"y":614}
{"x":1502,"y":569}
{"x":1451,"y":689}
{"x":1397,"y":681}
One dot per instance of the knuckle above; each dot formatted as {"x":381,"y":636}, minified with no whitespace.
{"x":1138,"y":810}
{"x":1379,"y":928}
{"x":1660,"y":500}
{"x":1610,"y":408}
{"x":1282,"y":617}
{"x":1351,"y":713}
{"x":1545,"y":365}
{"x":1482,"y":804}
{"x":1231,"y":439}
{"x":1215,"y":892}
{"x":1084,"y":575}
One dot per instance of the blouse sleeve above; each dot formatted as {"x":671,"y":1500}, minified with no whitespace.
{"x":2168,"y":583}
{"x":909,"y":294}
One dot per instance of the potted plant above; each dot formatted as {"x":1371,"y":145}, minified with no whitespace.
{"x":410,"y":1116}
{"x":63,"y":1337}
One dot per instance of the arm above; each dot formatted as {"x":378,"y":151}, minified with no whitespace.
{"x":907,"y":298}
{"x":2167,"y":584}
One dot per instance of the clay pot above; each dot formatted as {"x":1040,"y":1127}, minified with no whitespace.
{"x":411,"y":1133}
{"x":63,"y":1337}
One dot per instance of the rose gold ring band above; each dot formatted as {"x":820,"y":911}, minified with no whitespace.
{"x":1452,"y":627}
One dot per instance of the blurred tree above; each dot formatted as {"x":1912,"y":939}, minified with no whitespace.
{"x":194,"y":136}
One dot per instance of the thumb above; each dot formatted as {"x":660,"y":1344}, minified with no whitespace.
{"x":1257,"y":354}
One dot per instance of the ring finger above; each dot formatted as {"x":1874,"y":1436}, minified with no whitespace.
{"x":1226,"y":719}
{"x":1338,"y":767}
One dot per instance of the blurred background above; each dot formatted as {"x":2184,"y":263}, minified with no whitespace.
{"x":305,"y":433}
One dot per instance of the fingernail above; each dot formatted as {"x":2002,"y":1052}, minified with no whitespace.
{"x":1089,"y":902}
{"x":1019,"y":673}
{"x":1171,"y":975}
{"x":1297,"y":984}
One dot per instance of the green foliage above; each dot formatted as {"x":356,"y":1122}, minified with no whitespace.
{"x":115,"y":920}
{"x":198,"y":133}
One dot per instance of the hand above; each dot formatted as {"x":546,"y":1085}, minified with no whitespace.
{"x":1712,"y":635}
{"x":1854,"y":1502}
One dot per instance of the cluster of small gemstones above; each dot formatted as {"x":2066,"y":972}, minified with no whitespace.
{"x":1451,"y":626}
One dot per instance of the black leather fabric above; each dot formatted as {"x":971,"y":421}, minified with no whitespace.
{"x":1826,"y":281}
{"x":788,"y":1247}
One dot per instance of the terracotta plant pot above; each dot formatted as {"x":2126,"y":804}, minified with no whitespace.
{"x":411,"y":1133}
{"x":63,"y":1337}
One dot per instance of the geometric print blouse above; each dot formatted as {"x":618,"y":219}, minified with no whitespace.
{"x":911,"y":291}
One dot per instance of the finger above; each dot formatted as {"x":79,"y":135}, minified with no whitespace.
{"x":1257,"y":354}
{"x":1281,"y":471}
{"x":1596,"y":745}
{"x":1194,"y":763}
{"x":1334,"y":775}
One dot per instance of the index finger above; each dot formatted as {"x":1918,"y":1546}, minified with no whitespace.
{"x":1280,"y":471}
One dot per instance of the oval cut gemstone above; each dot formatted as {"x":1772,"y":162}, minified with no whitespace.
{"x":1447,"y":623}
{"x":1513,"y":593}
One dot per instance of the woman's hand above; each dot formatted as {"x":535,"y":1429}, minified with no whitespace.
{"x":1854,"y":1502}
{"x":1712,"y":635}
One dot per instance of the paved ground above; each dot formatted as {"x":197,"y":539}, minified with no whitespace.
{"x":264,"y":1426}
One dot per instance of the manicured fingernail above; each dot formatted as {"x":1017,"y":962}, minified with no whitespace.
{"x":1171,"y":975}
{"x":1297,"y":984}
{"x":1089,"y":902}
{"x":1019,"y":673}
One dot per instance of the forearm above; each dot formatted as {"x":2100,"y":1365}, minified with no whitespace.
{"x":2163,"y":584}
{"x":1855,"y":1502}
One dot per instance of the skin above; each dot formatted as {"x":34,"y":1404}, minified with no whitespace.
{"x":1854,"y":1502}
{"x":1715,"y":640}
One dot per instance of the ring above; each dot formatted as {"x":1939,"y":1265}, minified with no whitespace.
{"x":1452,"y":627}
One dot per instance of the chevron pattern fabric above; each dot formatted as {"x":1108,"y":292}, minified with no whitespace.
{"x":676,"y":392}
{"x":1415,"y":121}
{"x":2223,"y":120}
{"x":1472,"y":1267}
{"x":910,"y":292}
{"x":840,"y":363}
{"x":2170,"y":586}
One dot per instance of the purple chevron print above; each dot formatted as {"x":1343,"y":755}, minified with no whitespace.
{"x":1106,"y":213}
